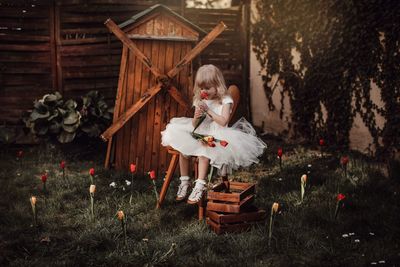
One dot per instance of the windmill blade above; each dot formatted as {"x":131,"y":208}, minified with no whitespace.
{"x":178,"y":97}
{"x":131,"y":45}
{"x":124,"y":117}
{"x":198,"y":48}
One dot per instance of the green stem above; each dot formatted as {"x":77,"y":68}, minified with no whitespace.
{"x":271,"y":221}
{"x":155,"y":189}
{"x":92,"y":206}
{"x":200,"y":120}
{"x":123,"y":223}
{"x":34,"y":215}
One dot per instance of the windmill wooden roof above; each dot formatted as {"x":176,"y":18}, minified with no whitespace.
{"x":149,"y":13}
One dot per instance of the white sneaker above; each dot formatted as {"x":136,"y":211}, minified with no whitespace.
{"x":197,"y":192}
{"x":183,"y":188}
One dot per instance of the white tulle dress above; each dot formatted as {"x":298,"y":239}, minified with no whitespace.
{"x":243,"y":148}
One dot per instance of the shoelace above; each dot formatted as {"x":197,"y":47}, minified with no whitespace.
{"x":198,"y":193}
{"x":181,"y":188}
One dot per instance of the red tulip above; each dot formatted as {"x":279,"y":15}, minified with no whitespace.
{"x":20,"y":153}
{"x":91,"y":171}
{"x":211,"y":144}
{"x":344,"y":160}
{"x":62,"y":165}
{"x":44,"y":177}
{"x":133,"y":168}
{"x":223,"y":143}
{"x":204,"y":95}
{"x":340,"y":197}
{"x":152,"y":175}
{"x":321,"y":142}
{"x":280,"y":152}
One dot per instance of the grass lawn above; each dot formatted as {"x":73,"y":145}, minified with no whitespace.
{"x":366,"y":231}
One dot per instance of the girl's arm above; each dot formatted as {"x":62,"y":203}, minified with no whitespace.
{"x":222,"y":119}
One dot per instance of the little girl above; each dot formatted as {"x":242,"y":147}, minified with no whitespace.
{"x":243,"y":146}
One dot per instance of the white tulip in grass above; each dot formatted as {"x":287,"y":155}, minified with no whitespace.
{"x":303,"y":183}
{"x":33,"y":204}
{"x":274,"y":210}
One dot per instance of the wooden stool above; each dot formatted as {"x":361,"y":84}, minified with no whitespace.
{"x":234,"y":92}
{"x":168,"y":178}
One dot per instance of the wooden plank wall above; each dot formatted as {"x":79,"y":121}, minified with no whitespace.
{"x":64,"y":45}
{"x":26,"y":56}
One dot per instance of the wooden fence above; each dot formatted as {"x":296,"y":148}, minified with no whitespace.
{"x":64,"y":46}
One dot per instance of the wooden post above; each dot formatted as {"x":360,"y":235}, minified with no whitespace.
{"x":246,"y":56}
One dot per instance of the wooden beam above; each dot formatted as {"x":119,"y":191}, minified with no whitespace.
{"x":161,"y":38}
{"x":123,"y":118}
{"x":126,"y":41}
{"x":198,"y":48}
{"x":117,"y":101}
{"x":178,"y":97}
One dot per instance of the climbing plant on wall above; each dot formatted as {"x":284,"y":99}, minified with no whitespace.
{"x":344,"y":46}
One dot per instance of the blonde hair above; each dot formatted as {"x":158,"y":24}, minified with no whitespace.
{"x":208,"y":76}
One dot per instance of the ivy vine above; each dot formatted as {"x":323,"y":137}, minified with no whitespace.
{"x":344,"y":46}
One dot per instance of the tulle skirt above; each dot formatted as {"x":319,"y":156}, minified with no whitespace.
{"x":243,"y":148}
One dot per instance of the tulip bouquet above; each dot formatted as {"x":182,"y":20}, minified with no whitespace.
{"x":33,"y":204}
{"x":209,"y":140}
{"x":274,"y":210}
{"x":152,"y":175}
{"x":92,"y":190}
{"x":132,"y":169}
{"x":121,"y":217}
{"x":339,"y":203}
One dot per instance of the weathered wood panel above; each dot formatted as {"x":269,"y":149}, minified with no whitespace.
{"x":25,"y":56}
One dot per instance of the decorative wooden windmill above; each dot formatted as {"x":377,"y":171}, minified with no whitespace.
{"x":158,"y":61}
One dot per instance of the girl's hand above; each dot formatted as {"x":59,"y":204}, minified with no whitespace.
{"x":198,"y":113}
{"x":203,"y":106}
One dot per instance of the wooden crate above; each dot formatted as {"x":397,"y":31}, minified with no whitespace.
{"x":238,"y":192}
{"x":241,"y":195}
{"x":230,"y":223}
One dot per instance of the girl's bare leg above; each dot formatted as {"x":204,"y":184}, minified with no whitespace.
{"x":203,"y":167}
{"x":183,"y":165}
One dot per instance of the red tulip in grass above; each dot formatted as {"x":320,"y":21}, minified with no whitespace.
{"x":121,"y":217}
{"x":44,"y":180}
{"x":344,"y":161}
{"x":274,"y":210}
{"x":92,"y":190}
{"x":280,"y":153}
{"x":62,"y":166}
{"x":33,"y":205}
{"x":20,"y":155}
{"x":339,"y":203}
{"x":153,"y":178}
{"x":132,"y":169}
{"x":321,"y":146}
{"x":91,"y":174}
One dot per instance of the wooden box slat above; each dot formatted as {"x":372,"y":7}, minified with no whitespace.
{"x":230,"y":207}
{"x":254,"y":214}
{"x":228,"y":228}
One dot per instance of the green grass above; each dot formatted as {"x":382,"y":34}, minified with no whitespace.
{"x":304,"y":235}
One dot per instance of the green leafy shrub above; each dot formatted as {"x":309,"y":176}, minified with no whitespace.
{"x":53,"y":117}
